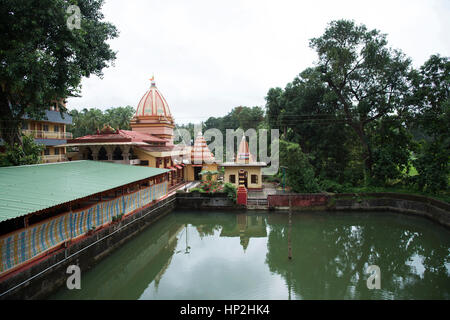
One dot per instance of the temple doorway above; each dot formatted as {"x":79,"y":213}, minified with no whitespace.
{"x":243,"y":178}
{"x":197,"y":171}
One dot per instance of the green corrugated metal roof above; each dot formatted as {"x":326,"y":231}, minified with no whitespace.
{"x":26,"y":189}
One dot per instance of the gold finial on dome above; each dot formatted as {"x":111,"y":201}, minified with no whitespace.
{"x":152,"y":79}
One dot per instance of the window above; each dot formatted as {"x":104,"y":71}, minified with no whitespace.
{"x":46,"y":151}
{"x":254,"y":179}
{"x":45,"y":127}
{"x":56,"y":128}
{"x":56,"y":151}
{"x":24,"y":125}
{"x":232,"y":178}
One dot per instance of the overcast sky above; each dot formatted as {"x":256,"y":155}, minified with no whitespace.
{"x":210,"y":56}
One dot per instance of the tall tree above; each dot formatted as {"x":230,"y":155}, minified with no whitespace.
{"x":306,"y":108}
{"x":43,"y":60}
{"x":88,"y":121}
{"x":300,"y":173}
{"x":119,"y":117}
{"x":431,"y":101}
{"x":368,"y":78}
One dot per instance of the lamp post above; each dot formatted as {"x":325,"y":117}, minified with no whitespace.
{"x":284,"y":177}
{"x":188,"y":248}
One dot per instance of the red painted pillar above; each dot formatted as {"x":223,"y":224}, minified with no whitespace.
{"x":242,"y":195}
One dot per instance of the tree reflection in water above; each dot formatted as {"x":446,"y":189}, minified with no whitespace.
{"x":332,"y":252}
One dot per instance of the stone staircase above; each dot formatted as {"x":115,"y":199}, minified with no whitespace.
{"x":257,"y":204}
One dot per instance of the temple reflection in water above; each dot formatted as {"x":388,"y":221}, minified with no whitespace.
{"x":247,"y":226}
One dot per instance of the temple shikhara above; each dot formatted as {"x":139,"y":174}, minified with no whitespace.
{"x":150,"y":142}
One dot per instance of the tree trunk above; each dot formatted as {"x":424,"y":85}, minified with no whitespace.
{"x":9,"y":125}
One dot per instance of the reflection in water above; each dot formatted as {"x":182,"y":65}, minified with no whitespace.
{"x":192,"y":255}
{"x":247,"y":226}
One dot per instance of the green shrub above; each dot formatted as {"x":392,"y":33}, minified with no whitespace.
{"x":433,"y":166}
{"x":230,"y":190}
{"x":17,"y":155}
{"x":331,"y":186}
{"x":300,"y":172}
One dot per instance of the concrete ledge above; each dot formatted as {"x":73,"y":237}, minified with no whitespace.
{"x":426,"y":210}
{"x":433,"y":209}
{"x":50,"y":273}
{"x":206,"y":201}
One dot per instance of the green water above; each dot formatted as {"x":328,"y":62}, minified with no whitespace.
{"x":194,"y":255}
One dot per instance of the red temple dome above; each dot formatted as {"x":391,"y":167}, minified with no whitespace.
{"x":153,"y":104}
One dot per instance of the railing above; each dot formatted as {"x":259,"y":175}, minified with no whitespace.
{"x":41,"y":134}
{"x":19,"y":247}
{"x":54,"y":158}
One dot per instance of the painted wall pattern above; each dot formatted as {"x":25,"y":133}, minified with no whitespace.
{"x":27,"y":243}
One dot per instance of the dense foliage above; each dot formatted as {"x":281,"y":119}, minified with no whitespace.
{"x":28,"y":152}
{"x":431,"y":115}
{"x":364,"y":117}
{"x":42,"y":60}
{"x":86,"y":121}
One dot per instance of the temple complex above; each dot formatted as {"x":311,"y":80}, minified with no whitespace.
{"x":149,"y":143}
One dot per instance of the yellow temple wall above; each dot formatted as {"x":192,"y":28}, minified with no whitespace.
{"x":251,"y":170}
{"x":189,"y":171}
{"x":145,"y":156}
{"x":210,"y":167}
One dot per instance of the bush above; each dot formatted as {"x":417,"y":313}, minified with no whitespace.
{"x":230,"y":190}
{"x":211,"y":186}
{"x":300,"y":172}
{"x":27,"y":153}
{"x":432,"y":164}
{"x":331,"y":186}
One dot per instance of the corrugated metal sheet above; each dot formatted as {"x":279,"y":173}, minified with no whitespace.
{"x":45,"y":142}
{"x":54,"y":116}
{"x":50,"y":142}
{"x":26,"y":189}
